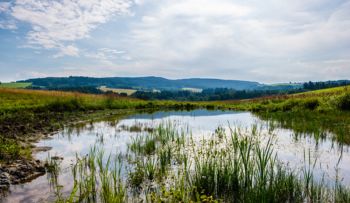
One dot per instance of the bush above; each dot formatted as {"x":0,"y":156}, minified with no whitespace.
{"x":311,"y":104}
{"x":344,"y":102}
{"x":65,"y":105}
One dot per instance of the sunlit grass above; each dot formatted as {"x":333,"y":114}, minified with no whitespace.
{"x":15,"y":85}
{"x":40,"y":100}
{"x":326,"y":100}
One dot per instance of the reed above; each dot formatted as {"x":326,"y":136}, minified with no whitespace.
{"x":97,"y":179}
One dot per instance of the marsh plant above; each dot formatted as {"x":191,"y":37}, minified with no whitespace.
{"x":171,"y":165}
{"x":97,"y":178}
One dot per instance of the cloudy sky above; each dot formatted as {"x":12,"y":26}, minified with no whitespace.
{"x":267,"y":41}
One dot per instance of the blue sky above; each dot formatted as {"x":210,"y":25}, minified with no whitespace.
{"x":267,"y":41}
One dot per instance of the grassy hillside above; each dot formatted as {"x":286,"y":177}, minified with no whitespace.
{"x":15,"y":85}
{"x":326,"y":100}
{"x":13,"y":100}
{"x":16,"y":99}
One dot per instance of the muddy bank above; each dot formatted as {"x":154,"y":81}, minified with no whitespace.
{"x":23,"y":130}
{"x":20,"y":171}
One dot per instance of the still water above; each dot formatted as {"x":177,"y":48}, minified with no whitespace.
{"x":332,"y":159}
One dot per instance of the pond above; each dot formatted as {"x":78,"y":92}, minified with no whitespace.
{"x":329,"y":160}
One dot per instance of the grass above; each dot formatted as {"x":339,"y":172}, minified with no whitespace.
{"x":324,"y":101}
{"x":234,"y":166}
{"x":14,"y":100}
{"x":12,"y":149}
{"x":15,"y":85}
{"x":96,"y":180}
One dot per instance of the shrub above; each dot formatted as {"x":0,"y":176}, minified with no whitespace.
{"x":344,"y":102}
{"x":311,"y":104}
{"x":65,"y":105}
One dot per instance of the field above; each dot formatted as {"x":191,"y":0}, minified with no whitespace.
{"x":117,"y":90}
{"x":320,"y":100}
{"x":13,"y":100}
{"x":196,"y":90}
{"x":15,"y":85}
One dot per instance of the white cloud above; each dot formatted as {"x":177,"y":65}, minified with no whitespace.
{"x":242,"y":39}
{"x":8,"y":25}
{"x":69,"y":50}
{"x":107,"y":55}
{"x":268,"y":41}
{"x":204,"y":8}
{"x":5,"y":22}
{"x":4,"y":6}
{"x":56,"y":23}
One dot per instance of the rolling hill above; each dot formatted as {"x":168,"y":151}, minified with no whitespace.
{"x":143,"y":83}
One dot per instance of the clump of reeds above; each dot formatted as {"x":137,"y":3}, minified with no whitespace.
{"x":97,"y":179}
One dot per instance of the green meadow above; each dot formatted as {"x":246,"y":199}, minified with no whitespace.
{"x":15,"y":85}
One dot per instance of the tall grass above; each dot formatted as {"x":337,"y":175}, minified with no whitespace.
{"x":327,"y":100}
{"x":97,"y":179}
{"x":16,"y":100}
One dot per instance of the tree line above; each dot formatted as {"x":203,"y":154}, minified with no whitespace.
{"x":213,"y":94}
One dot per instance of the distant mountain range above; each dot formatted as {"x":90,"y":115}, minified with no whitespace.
{"x":143,"y":83}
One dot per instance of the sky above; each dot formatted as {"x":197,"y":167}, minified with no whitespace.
{"x":268,"y":41}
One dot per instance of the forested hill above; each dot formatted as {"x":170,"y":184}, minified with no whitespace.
{"x":158,"y":83}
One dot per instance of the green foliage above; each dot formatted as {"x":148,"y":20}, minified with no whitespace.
{"x":136,"y":177}
{"x":149,"y":83}
{"x":96,"y":180}
{"x":344,"y":102}
{"x":311,"y":104}
{"x":73,"y":104}
{"x":10,"y":149}
{"x":217,"y":94}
